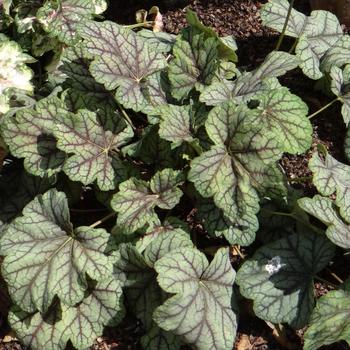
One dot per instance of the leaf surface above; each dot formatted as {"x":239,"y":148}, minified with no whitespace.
{"x":136,"y":199}
{"x":45,"y":256}
{"x":285,"y":115}
{"x":29,"y":135}
{"x":331,"y":176}
{"x":201,"y":310}
{"x":279,"y":277}
{"x":122,"y":60}
{"x":330,"y":320}
{"x":322,"y":208}
{"x":81,"y":324}
{"x":94,"y":150}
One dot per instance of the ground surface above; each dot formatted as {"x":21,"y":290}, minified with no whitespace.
{"x":239,"y":18}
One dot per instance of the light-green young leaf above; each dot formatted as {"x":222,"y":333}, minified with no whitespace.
{"x":201,"y":310}
{"x":316,"y":33}
{"x":285,"y":115}
{"x":80,"y":324}
{"x":45,"y":256}
{"x":122,"y":61}
{"x":136,"y":200}
{"x":331,"y":176}
{"x":95,"y":150}
{"x":330,"y":320}
{"x":279,"y":277}
{"x":322,"y":208}
{"x":195,"y":63}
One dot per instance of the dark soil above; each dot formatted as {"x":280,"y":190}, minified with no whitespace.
{"x":241,"y":19}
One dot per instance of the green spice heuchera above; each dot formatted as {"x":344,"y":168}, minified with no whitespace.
{"x":173,"y":150}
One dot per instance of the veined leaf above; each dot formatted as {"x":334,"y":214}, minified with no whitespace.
{"x":331,"y":176}
{"x":338,"y":55}
{"x":340,"y":86}
{"x":279,"y":277}
{"x":322,"y":208}
{"x":330,"y":320}
{"x":246,"y":86}
{"x":45,"y":256}
{"x":201,"y":310}
{"x":95,"y":151}
{"x":61,"y":19}
{"x":136,"y":199}
{"x":316,"y":33}
{"x":195,"y":63}
{"x":175,"y":125}
{"x":81,"y":324}
{"x":142,"y":289}
{"x":285,"y":115}
{"x":158,"y":41}
{"x":347,"y":144}
{"x":241,"y":232}
{"x":29,"y":135}
{"x":122,"y":60}
{"x":237,"y":163}
{"x":274,"y":15}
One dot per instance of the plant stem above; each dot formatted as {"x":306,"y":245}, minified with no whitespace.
{"x":138,"y":25}
{"x":294,"y":45}
{"x":312,"y":227}
{"x":335,"y":276}
{"x":280,"y":39}
{"x":99,"y":222}
{"x":324,"y":107}
{"x":126,"y":116}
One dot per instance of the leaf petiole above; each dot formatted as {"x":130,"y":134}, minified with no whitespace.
{"x":324,"y":108}
{"x":138,"y":25}
{"x":101,"y":221}
{"x":280,"y":39}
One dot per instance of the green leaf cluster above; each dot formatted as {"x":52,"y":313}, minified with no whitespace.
{"x":180,"y":147}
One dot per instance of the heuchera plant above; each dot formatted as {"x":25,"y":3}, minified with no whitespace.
{"x":154,"y":129}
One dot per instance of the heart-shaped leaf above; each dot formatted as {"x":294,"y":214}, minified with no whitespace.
{"x":45,"y":256}
{"x":201,"y":310}
{"x":122,"y":60}
{"x":240,"y":160}
{"x":279,"y":277}
{"x":322,"y":208}
{"x":338,"y":55}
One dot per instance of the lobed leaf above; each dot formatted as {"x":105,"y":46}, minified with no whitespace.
{"x":95,"y":150}
{"x":45,"y":256}
{"x":122,"y":60}
{"x":136,"y":199}
{"x":200,"y":312}
{"x":81,"y":324}
{"x":195,"y":62}
{"x":279,"y":277}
